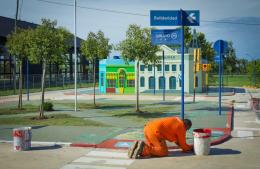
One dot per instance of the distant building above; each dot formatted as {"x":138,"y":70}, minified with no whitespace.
{"x":66,"y":70}
{"x":172,"y":69}
{"x":118,"y":77}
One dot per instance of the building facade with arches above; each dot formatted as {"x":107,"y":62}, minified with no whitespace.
{"x":168,"y":74}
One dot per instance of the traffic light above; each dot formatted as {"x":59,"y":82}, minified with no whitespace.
{"x":196,"y":54}
{"x":204,"y":67}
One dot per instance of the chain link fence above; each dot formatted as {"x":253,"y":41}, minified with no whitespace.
{"x":238,"y":80}
{"x":55,"y":81}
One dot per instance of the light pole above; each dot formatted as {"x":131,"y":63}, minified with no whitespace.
{"x":75,"y":53}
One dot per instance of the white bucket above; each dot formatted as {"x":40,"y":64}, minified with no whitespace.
{"x":201,"y":141}
{"x":22,"y":138}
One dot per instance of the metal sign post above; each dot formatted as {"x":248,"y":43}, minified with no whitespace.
{"x":173,"y":18}
{"x":163,"y":77}
{"x":220,"y":46}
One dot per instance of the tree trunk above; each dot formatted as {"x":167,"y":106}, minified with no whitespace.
{"x":137,"y":88}
{"x":41,"y":116}
{"x":20,"y":104}
{"x":94,"y":82}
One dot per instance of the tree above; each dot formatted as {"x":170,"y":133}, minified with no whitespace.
{"x":230,"y":60}
{"x":207,"y":52}
{"x":95,"y":47}
{"x":253,"y":69}
{"x":137,"y":47}
{"x":48,"y":45}
{"x":17,"y":45}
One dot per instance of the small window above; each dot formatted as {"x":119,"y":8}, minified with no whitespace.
{"x":179,"y":82}
{"x":167,"y":67}
{"x":142,"y":67}
{"x":150,"y":68}
{"x":180,"y":67}
{"x":159,"y":67}
{"x":173,"y":68}
{"x":142,"y":83}
{"x":111,"y":83}
{"x":130,"y":83}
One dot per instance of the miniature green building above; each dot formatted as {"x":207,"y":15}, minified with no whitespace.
{"x":116,"y":76}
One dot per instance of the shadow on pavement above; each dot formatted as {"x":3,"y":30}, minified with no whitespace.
{"x":179,"y":154}
{"x":38,"y":127}
{"x":53,"y":147}
{"x":219,"y":151}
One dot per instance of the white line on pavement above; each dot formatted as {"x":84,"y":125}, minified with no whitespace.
{"x":107,"y":154}
{"x":103,"y":161}
{"x":79,"y":166}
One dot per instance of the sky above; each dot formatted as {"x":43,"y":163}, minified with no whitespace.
{"x":245,"y":37}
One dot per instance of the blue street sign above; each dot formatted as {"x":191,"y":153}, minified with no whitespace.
{"x":220,"y":46}
{"x":191,"y":18}
{"x":167,"y":37}
{"x":173,"y":18}
{"x":165,"y":18}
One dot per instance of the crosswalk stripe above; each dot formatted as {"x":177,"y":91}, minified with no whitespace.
{"x":103,"y":161}
{"x":107,"y":154}
{"x":80,"y":166}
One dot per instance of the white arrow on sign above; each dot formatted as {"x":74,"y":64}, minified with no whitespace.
{"x":191,"y":17}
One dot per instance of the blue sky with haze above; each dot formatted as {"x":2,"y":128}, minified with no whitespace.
{"x":246,"y":38}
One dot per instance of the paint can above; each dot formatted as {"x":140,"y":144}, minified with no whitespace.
{"x":22,"y":138}
{"x":202,"y":141}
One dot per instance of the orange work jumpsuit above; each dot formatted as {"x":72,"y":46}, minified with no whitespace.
{"x":157,"y":131}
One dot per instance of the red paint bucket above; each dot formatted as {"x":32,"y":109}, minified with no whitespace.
{"x":202,"y":141}
{"x":22,"y":138}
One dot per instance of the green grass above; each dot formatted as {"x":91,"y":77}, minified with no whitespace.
{"x":148,"y":113}
{"x":28,"y":108}
{"x":233,"y":80}
{"x":52,"y":120}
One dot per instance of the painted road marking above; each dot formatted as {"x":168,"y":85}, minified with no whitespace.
{"x":107,"y":154}
{"x":79,"y":166}
{"x":124,"y":144}
{"x":103,"y":161}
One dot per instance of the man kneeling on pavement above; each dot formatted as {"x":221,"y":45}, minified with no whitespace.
{"x":156,"y":133}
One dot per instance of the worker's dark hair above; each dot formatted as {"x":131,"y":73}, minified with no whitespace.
{"x":187,"y":123}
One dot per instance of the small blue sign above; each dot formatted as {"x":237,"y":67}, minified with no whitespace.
{"x":173,"y":18}
{"x":166,"y":36}
{"x":165,"y":18}
{"x":220,"y":46}
{"x":191,"y":18}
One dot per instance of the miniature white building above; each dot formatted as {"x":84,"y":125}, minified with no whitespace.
{"x":172,"y":69}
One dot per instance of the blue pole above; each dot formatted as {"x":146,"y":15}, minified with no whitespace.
{"x":220,"y":78}
{"x":163,"y":78}
{"x":182,"y":68}
{"x":27,"y":80}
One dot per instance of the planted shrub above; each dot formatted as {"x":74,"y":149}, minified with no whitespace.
{"x":48,"y":106}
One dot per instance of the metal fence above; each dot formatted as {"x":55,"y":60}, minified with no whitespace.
{"x":238,"y":80}
{"x":56,"y":80}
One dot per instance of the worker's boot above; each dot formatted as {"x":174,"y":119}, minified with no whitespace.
{"x":139,"y":149}
{"x":132,"y":149}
